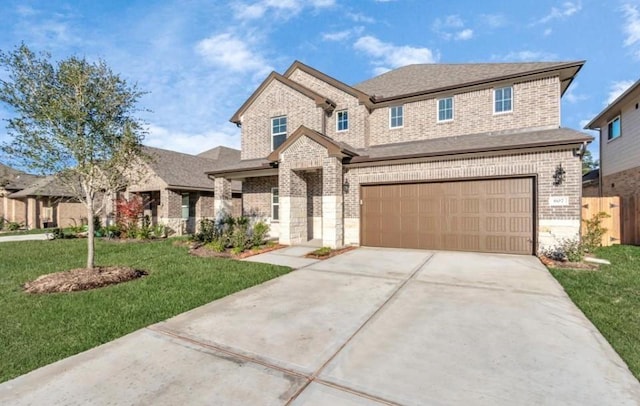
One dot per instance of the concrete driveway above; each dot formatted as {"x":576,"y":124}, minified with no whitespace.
{"x":368,"y":327}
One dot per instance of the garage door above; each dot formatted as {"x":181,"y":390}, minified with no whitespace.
{"x":481,"y":215}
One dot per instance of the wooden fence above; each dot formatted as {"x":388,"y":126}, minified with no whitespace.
{"x":623,"y":227}
{"x":611,"y":206}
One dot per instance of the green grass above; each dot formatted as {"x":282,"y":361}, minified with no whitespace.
{"x":610,"y":298}
{"x":36,"y":330}
{"x":24,"y":232}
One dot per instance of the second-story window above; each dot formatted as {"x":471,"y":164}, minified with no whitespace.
{"x":502,"y":99}
{"x":396,"y":117}
{"x":342,"y":121}
{"x":445,"y":109}
{"x":613,"y":129}
{"x":278,"y":131}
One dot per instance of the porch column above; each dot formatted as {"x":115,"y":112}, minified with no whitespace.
{"x":222,"y":196}
{"x":332,"y":214}
{"x":293,"y":206}
{"x":32,"y":213}
{"x":170,"y":210}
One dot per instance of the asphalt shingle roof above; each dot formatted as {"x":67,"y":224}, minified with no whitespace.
{"x":419,"y":78}
{"x":48,"y":186}
{"x":13,"y":179}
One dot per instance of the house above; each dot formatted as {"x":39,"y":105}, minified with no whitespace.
{"x":591,"y":183}
{"x":432,"y":156}
{"x":619,"y":128}
{"x":176,"y":191}
{"x":11,"y":181}
{"x":48,"y":203}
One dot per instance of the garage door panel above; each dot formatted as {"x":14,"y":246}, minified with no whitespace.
{"x":484,"y":215}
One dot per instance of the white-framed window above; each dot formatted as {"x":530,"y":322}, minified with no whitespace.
{"x":185,"y":206}
{"x":614,"y":129}
{"x":396,"y":116}
{"x":342,"y":121}
{"x":503,"y":99}
{"x":278,"y":131}
{"x":275,"y":204}
{"x":445,"y":109}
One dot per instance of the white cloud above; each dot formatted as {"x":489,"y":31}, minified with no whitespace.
{"x":547,"y":32}
{"x":283,"y":8}
{"x":229,"y":52}
{"x":451,"y":27}
{"x":617,"y":88}
{"x":631,"y":27}
{"x":342,"y":35}
{"x":493,"y":20}
{"x":388,"y":56}
{"x":525,"y":56}
{"x":161,"y":137}
{"x":572,"y":96}
{"x":465,"y":34}
{"x":567,"y":9}
{"x":361,"y":18}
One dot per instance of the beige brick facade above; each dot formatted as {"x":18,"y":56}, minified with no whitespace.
{"x":624,"y":183}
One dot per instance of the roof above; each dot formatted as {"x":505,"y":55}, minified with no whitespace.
{"x":320,"y":100}
{"x":14,"y":179}
{"x":179,"y":170}
{"x":335,"y":148}
{"x":593,"y":176}
{"x":474,"y":143}
{"x":614,"y":105}
{"x":243,"y":166}
{"x":49,"y":186}
{"x":435,"y":77}
{"x":222,"y":155}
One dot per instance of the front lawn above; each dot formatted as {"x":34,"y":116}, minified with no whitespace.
{"x":36,"y":330}
{"x":610,"y":298}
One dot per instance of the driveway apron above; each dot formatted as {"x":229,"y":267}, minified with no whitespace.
{"x":368,"y":327}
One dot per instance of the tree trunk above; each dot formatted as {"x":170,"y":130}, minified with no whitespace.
{"x":90,"y":236}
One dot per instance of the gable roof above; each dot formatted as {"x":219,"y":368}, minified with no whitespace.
{"x":180,"y":170}
{"x":334,"y":147}
{"x":413,"y":80}
{"x":359,"y":94}
{"x":593,"y":176}
{"x":49,"y":186}
{"x":13,"y":179}
{"x":222,"y":155}
{"x":614,"y":105}
{"x":319,"y":99}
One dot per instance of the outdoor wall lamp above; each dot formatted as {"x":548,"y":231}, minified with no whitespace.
{"x":558,"y":176}
{"x":345,"y":186}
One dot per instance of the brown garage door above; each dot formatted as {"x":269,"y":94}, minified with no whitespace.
{"x":481,"y":215}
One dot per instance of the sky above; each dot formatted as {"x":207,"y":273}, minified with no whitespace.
{"x":200,"y":60}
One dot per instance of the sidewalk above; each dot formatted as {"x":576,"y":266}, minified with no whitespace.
{"x":25,"y":237}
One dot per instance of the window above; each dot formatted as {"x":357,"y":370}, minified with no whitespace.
{"x":445,"y":109}
{"x":275,"y":204}
{"x":614,"y":129}
{"x":342,"y":122}
{"x":502,"y":100}
{"x":396,"y":117}
{"x":185,"y":206}
{"x":278,"y":131}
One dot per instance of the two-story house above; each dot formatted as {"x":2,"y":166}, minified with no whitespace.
{"x":434,"y":156}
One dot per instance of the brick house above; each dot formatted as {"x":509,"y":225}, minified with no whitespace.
{"x":619,"y":127}
{"x":176,"y":191}
{"x":435,"y":156}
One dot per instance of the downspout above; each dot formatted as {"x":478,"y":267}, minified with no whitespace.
{"x":324,"y":121}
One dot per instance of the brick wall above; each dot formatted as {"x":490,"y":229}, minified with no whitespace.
{"x":256,"y":196}
{"x":591,"y":191}
{"x":70,"y":213}
{"x":276,"y":100}
{"x":358,"y":114}
{"x":536,"y":104}
{"x":624,"y":183}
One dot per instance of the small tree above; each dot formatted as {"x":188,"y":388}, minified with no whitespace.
{"x":128,"y":214}
{"x":588,"y":163}
{"x":74,"y":119}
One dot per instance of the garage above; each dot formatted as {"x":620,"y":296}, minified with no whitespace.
{"x":488,"y":215}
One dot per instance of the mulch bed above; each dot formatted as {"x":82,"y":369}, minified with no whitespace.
{"x":82,"y":279}
{"x":206,"y":252}
{"x":331,"y":253}
{"x":580,"y":266}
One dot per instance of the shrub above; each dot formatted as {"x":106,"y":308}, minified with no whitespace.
{"x":160,"y":231}
{"x":217,"y":245}
{"x":592,"y":238}
{"x":2,"y":221}
{"x":566,"y":250}
{"x":240,"y":238}
{"x":259,"y":233}
{"x":128,"y":214}
{"x":112,"y":231}
{"x":322,"y":252}
{"x":13,"y":226}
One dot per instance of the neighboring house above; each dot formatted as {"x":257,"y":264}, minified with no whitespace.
{"x":619,"y":127}
{"x":11,"y":181}
{"x":591,"y":183}
{"x":176,"y":190}
{"x":434,"y":156}
{"x":48,"y":203}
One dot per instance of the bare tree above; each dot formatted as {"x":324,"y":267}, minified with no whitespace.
{"x":74,"y":119}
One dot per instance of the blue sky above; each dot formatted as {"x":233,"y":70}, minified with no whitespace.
{"x":201,"y":59}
